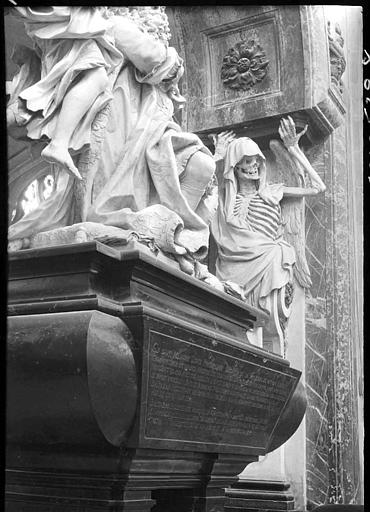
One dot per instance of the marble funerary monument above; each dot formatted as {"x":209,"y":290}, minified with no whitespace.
{"x":157,"y":280}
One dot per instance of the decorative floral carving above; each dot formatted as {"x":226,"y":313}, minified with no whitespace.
{"x":244,"y":65}
{"x":337,"y":60}
{"x":289,"y":294}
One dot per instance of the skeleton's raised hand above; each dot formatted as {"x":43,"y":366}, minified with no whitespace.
{"x":288,"y":132}
{"x":221,"y":142}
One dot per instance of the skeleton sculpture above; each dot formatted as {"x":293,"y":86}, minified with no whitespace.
{"x":251,"y":218}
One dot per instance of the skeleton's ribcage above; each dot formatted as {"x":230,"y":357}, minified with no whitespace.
{"x":260,"y":216}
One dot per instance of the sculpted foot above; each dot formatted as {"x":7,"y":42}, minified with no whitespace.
{"x":60,"y":155}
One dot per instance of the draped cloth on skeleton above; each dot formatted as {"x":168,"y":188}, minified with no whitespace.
{"x":143,"y":156}
{"x":247,"y":257}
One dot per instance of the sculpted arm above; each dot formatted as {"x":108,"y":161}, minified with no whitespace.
{"x":290,"y":138}
{"x":140,"y":48}
{"x":221,"y":142}
{"x":155,"y":62}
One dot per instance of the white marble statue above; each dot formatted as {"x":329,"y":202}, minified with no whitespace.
{"x":249,"y":224}
{"x":102,"y":102}
{"x":59,"y":99}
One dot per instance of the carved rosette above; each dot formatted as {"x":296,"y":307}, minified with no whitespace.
{"x":244,"y":65}
{"x":337,"y":60}
{"x":289,"y":294}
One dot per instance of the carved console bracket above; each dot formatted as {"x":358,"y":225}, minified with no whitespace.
{"x":324,"y":102}
{"x":255,"y":64}
{"x":244,"y":65}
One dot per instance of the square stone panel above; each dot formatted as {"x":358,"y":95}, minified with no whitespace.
{"x":218,"y":42}
{"x":204,"y":36}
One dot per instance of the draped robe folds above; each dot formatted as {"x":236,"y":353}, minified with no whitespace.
{"x":68,"y":40}
{"x":249,"y":258}
{"x":143,"y":156}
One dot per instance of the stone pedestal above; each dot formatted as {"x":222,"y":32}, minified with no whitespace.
{"x":255,"y":496}
{"x":131,"y":385}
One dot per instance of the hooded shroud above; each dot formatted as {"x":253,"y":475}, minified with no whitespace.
{"x":249,"y":258}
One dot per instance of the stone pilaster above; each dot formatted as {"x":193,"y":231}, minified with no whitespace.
{"x":333,"y":324}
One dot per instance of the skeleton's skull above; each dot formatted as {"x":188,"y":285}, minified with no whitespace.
{"x":247,"y":168}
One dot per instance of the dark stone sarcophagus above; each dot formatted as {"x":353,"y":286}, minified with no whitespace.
{"x":131,"y":385}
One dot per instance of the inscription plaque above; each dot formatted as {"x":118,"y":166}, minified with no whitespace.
{"x":198,"y":394}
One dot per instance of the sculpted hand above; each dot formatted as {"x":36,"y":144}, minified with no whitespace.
{"x":288,"y":133}
{"x":221,"y":142}
{"x":290,"y":138}
{"x":169,"y":84}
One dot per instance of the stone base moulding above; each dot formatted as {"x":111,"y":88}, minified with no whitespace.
{"x":264,"y":496}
